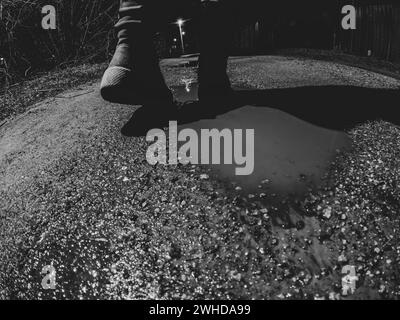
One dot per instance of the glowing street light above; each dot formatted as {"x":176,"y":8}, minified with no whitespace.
{"x":180,"y":23}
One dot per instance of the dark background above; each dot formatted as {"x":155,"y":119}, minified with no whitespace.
{"x":85,"y":31}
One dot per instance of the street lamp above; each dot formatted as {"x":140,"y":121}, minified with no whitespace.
{"x":180,"y":23}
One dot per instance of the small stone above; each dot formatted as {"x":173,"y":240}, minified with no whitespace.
{"x":204,"y":176}
{"x":235,"y":275}
{"x":328,"y":213}
{"x":333,"y":296}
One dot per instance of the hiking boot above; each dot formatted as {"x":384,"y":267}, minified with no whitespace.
{"x":134,"y":75}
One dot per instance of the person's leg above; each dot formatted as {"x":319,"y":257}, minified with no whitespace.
{"x":214,"y":39}
{"x":134,"y":75}
{"x":218,"y":22}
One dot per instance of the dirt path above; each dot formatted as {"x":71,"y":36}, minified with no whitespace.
{"x":80,"y":197}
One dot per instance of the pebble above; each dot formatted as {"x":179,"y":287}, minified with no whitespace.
{"x":328,"y":213}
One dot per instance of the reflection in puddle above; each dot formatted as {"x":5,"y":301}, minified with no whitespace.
{"x":290,"y":154}
{"x":188,"y":85}
{"x":187,"y":92}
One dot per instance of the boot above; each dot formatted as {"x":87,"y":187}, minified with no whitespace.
{"x":215,"y":31}
{"x":134,"y":75}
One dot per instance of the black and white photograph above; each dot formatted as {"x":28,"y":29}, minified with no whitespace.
{"x":199,"y":156}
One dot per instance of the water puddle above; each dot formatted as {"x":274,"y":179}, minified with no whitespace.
{"x":291,"y":154}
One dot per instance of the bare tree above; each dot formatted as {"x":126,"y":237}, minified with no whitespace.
{"x":84,"y":33}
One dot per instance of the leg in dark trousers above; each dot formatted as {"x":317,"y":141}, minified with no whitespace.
{"x":215,"y":29}
{"x":218,"y":22}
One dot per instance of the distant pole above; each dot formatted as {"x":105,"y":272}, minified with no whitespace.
{"x":180,"y":23}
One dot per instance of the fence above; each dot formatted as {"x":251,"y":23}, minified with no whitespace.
{"x":293,"y":24}
{"x":377,"y":33}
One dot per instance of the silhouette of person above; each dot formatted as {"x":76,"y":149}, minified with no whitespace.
{"x":134,"y":75}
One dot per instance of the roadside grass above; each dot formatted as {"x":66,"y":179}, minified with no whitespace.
{"x":19,"y":97}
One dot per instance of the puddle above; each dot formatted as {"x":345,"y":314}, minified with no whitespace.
{"x":289,"y":152}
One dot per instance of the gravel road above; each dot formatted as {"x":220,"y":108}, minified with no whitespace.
{"x":78,"y":196}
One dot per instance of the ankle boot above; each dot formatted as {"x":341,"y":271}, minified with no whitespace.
{"x":215,"y":30}
{"x":134,"y":75}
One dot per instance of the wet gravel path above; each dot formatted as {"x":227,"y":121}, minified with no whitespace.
{"x":114,"y":227}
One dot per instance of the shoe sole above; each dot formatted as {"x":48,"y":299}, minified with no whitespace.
{"x":116,"y":87}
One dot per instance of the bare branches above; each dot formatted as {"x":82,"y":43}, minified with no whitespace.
{"x":83,"y":32}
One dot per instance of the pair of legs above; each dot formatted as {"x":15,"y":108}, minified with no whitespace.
{"x":134,"y":75}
